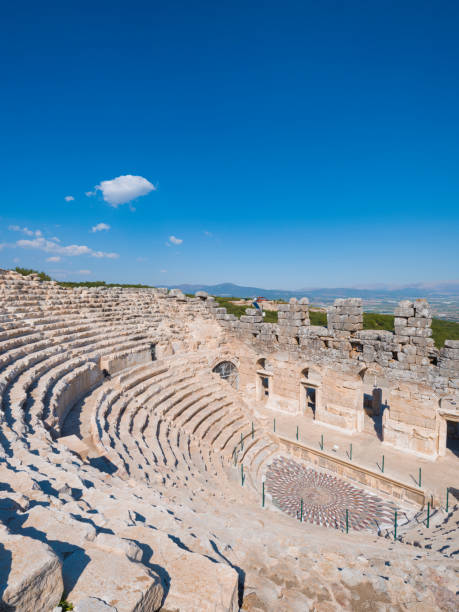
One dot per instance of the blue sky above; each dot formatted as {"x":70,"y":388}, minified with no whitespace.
{"x":284,"y":144}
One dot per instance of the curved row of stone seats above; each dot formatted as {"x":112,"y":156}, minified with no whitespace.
{"x":25,"y":365}
{"x":113,"y":402}
{"x":95,"y":345}
{"x":140,"y":412}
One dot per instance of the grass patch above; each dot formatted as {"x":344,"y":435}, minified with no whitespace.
{"x":374,"y":320}
{"x":444,"y":330}
{"x":270,"y":316}
{"x":318,"y":318}
{"x":65,"y":605}
{"x":230,"y":307}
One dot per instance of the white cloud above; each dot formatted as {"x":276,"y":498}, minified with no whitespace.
{"x":16,"y":259}
{"x":54,"y":258}
{"x":206,"y":233}
{"x":100,"y":227}
{"x":69,"y":198}
{"x":72,"y":250}
{"x":175,"y":240}
{"x":23,"y":230}
{"x":123,"y":189}
{"x":163,"y":271}
{"x":142,"y":259}
{"x":84,"y":272}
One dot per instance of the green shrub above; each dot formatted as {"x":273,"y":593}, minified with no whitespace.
{"x":28,"y":271}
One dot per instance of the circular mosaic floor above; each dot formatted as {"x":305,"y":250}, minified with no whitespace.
{"x":325,"y":497}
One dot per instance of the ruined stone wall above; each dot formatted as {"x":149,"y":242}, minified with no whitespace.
{"x":346,"y":362}
{"x":408,"y":354}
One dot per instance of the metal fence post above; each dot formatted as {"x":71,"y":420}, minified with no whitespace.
{"x":347,"y":520}
{"x":447,"y":498}
{"x":301,"y":510}
{"x":263,"y":495}
{"x":395,"y":525}
{"x":322,"y":442}
{"x":274,"y":424}
{"x":242,"y":474}
{"x":428,"y":515}
{"x":297,"y":432}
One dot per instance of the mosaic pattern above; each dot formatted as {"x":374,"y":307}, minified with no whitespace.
{"x":325,"y":497}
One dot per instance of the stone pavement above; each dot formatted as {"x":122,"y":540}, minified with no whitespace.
{"x":367,"y":451}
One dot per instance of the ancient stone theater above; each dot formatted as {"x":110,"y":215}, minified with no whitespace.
{"x":158,"y":453}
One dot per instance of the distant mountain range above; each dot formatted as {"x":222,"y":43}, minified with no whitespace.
{"x":326,"y":295}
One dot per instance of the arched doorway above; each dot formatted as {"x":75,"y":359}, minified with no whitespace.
{"x":229,"y":372}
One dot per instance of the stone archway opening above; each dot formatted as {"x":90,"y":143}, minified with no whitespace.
{"x":228,"y":372}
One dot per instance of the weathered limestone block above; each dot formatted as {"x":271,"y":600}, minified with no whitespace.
{"x":32,"y":573}
{"x":422,"y":308}
{"x":64,"y":532}
{"x":404,"y":312}
{"x":314,"y":331}
{"x":175,"y":293}
{"x":114,"y":544}
{"x":251,"y":319}
{"x":450,"y":353}
{"x":197,"y":584}
{"x":113,"y":578}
